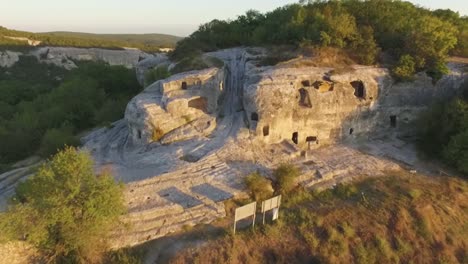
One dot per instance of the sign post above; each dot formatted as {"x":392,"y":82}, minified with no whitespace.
{"x":271,"y":204}
{"x":244,"y":212}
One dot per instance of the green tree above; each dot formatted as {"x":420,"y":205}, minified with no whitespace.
{"x":456,"y":152}
{"x":56,"y":139}
{"x":405,"y":69}
{"x":65,"y":210}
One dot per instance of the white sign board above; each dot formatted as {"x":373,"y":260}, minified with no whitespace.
{"x":271,"y":204}
{"x":245,"y":211}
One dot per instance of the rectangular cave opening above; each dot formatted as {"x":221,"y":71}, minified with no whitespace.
{"x":304,"y":98}
{"x":184,"y":85}
{"x":200,"y":103}
{"x":351,"y":131}
{"x":266,"y":131}
{"x":139,"y":134}
{"x":306,"y":83}
{"x":295,"y":137}
{"x":359,"y":89}
{"x":393,"y":121}
{"x":254,"y":116}
{"x":311,"y":140}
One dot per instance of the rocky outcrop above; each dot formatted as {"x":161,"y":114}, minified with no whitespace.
{"x":63,"y":56}
{"x":149,"y":63}
{"x":178,"y":108}
{"x":312,"y":106}
{"x":214,"y":126}
{"x":9,"y":58}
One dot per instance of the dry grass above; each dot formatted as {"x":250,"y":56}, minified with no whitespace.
{"x":394,"y":219}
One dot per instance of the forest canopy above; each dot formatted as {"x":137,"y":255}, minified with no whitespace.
{"x":410,"y":35}
{"x":43,"y":107}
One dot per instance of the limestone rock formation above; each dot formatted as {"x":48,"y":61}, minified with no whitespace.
{"x":64,"y":56}
{"x":149,"y":63}
{"x":178,"y":108}
{"x":9,"y":58}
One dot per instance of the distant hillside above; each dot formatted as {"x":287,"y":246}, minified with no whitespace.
{"x":145,"y":42}
{"x":160,"y":40}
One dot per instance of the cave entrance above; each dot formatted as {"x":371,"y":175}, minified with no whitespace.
{"x":393,"y":121}
{"x":139,"y":134}
{"x":351,"y":131}
{"x":200,"y":103}
{"x":254,"y":117}
{"x":295,"y":137}
{"x":323,"y":86}
{"x":266,"y":131}
{"x":184,"y":85}
{"x":359,"y":90}
{"x":311,"y":139}
{"x":305,"y":99}
{"x":306,"y":83}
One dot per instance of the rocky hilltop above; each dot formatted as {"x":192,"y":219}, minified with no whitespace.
{"x":187,"y":141}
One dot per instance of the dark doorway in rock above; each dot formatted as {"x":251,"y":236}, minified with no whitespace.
{"x":359,"y":90}
{"x":254,"y":116}
{"x":305,"y":99}
{"x":351,"y":131}
{"x":200,"y":103}
{"x":306,"y":83}
{"x":139,"y":134}
{"x":184,"y":85}
{"x":311,"y":140}
{"x":266,"y":131}
{"x":295,"y":137}
{"x":393,"y":121}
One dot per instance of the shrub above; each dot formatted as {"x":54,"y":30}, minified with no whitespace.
{"x":285,"y":178}
{"x":405,"y":69}
{"x":156,"y":74}
{"x":456,"y":152}
{"x":259,"y":187}
{"x":65,"y":210}
{"x":56,"y":139}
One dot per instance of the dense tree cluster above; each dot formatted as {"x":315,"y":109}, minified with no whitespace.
{"x":444,"y":131}
{"x":145,"y":42}
{"x":416,"y":37}
{"x":43,"y":107}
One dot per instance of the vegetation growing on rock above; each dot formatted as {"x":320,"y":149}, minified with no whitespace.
{"x":362,"y":28}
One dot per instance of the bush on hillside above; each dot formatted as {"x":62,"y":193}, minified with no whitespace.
{"x":285,"y":178}
{"x":65,"y":210}
{"x":259,"y":187}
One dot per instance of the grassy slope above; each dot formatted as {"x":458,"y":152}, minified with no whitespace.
{"x":394,"y":219}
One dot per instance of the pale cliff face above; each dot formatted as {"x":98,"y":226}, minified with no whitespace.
{"x":187,"y":101}
{"x":308,"y":106}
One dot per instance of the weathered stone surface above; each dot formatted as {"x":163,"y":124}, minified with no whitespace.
{"x":296,"y":104}
{"x":177,"y":102}
{"x":148,"y":63}
{"x":9,"y":58}
{"x":64,"y":56}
